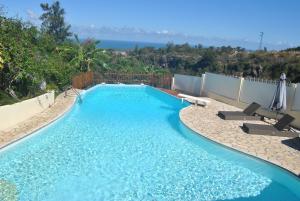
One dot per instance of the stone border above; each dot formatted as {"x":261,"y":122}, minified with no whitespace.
{"x":62,"y":105}
{"x":239,"y":151}
{"x":266,"y":148}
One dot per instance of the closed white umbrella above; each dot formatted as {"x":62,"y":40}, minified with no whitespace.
{"x":279,"y":100}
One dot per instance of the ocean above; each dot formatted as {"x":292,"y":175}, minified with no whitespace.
{"x":127,"y":45}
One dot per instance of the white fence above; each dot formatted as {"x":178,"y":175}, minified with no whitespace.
{"x":223,"y":85}
{"x":18,"y":112}
{"x":296,"y":102}
{"x":240,"y":92}
{"x":187,"y":84}
{"x":262,"y":93}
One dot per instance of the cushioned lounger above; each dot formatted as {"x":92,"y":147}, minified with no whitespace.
{"x":246,"y":114}
{"x":273,"y":130}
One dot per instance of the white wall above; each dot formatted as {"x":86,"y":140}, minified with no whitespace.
{"x":187,"y":84}
{"x":18,"y":112}
{"x":295,"y":108}
{"x":262,"y":93}
{"x":296,"y":103}
{"x":240,"y":92}
{"x":222,"y":85}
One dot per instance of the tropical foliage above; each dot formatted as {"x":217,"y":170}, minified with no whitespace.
{"x":196,"y":60}
{"x":53,"y":22}
{"x":31,"y":55}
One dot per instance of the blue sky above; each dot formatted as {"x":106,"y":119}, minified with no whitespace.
{"x":210,"y":22}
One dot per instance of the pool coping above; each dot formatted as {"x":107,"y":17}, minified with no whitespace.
{"x":68,"y":107}
{"x":256,"y":157}
{"x":294,"y":173}
{"x":18,"y":137}
{"x":28,"y":133}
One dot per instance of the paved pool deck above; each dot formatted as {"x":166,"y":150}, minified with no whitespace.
{"x":282,"y":151}
{"x":62,"y":104}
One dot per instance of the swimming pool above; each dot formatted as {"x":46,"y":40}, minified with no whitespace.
{"x":127,"y":143}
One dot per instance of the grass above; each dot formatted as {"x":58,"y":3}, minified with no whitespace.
{"x":6,"y":99}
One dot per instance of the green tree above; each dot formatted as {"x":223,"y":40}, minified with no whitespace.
{"x":53,"y":22}
{"x":207,"y":61}
{"x":83,"y":55}
{"x":1,"y":58}
{"x":17,"y":48}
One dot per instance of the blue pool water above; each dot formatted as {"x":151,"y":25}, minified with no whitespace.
{"x":127,"y":143}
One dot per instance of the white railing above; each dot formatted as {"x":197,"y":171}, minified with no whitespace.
{"x":253,"y":79}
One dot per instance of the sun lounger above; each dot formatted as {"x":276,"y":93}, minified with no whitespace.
{"x":273,"y":130}
{"x":247,"y":114}
{"x":193,"y":99}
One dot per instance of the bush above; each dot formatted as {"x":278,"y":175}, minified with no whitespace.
{"x":6,"y":99}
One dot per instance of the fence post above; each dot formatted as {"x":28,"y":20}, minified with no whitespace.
{"x":172,"y":82}
{"x":240,"y":88}
{"x":291,"y":102}
{"x":203,"y":77}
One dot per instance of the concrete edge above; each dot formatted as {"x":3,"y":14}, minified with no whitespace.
{"x":297,"y":174}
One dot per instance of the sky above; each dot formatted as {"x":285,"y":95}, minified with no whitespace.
{"x":207,"y":22}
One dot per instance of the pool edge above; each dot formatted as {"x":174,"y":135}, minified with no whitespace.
{"x":235,"y":149}
{"x":69,"y":107}
{"x":35,"y":130}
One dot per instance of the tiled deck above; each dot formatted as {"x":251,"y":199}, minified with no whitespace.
{"x":23,"y":129}
{"x":282,"y":151}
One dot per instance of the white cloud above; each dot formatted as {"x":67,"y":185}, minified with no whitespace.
{"x":32,"y":16}
{"x":164,"y":32}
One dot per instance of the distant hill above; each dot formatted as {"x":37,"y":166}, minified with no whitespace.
{"x":127,"y":45}
{"x":292,"y":49}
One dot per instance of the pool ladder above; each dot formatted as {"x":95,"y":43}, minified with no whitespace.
{"x":78,"y":94}
{"x":75,"y":91}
